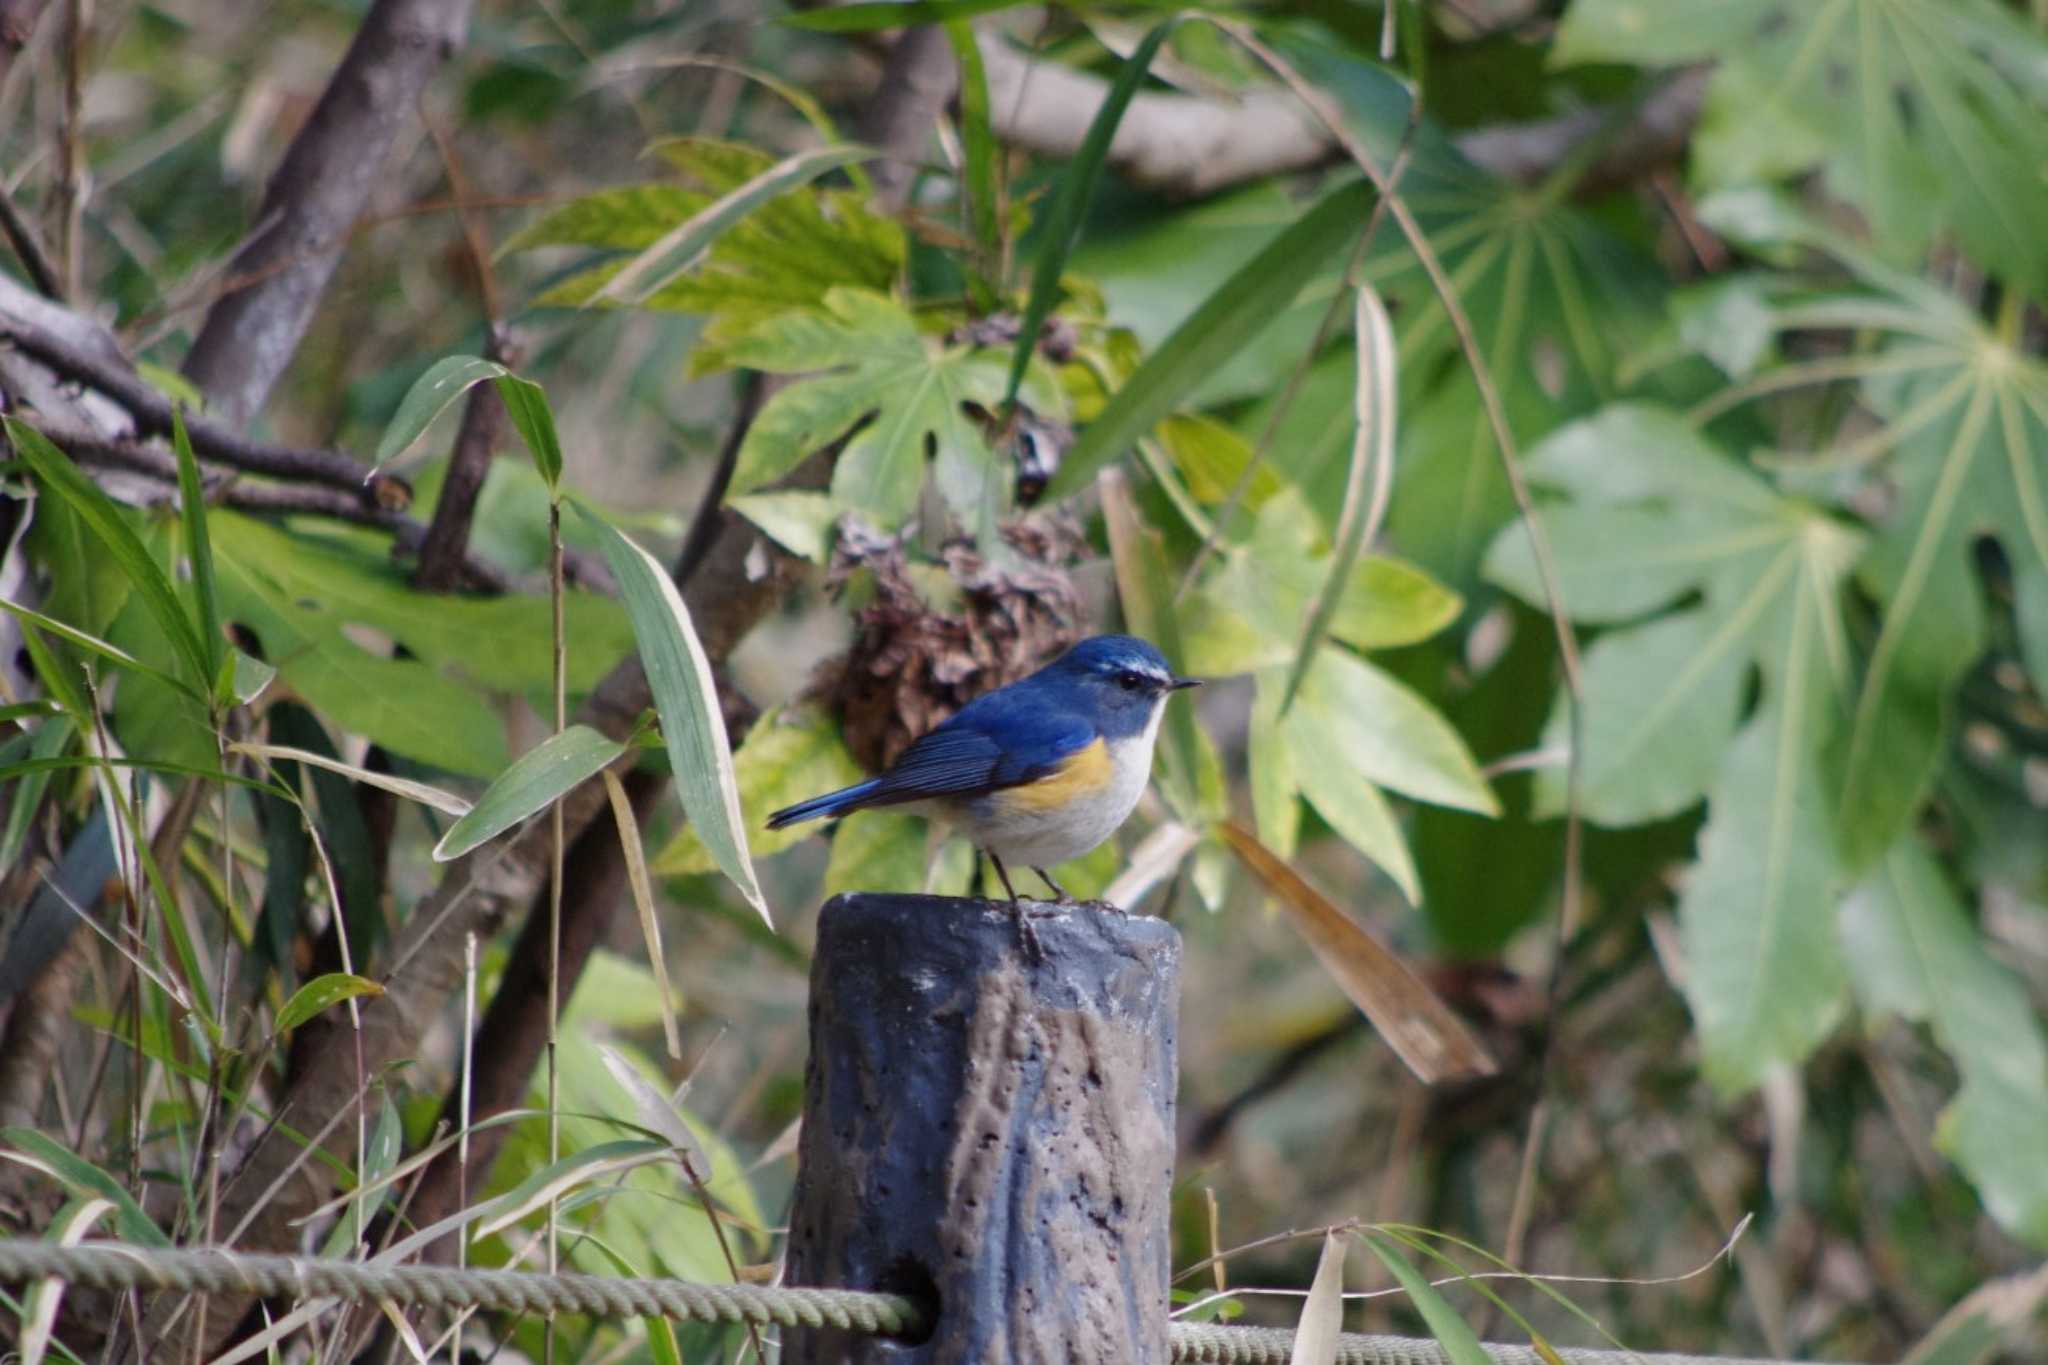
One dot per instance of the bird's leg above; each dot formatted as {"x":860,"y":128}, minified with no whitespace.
{"x":1002,"y":875}
{"x":1059,"y":892}
{"x":1027,"y":933}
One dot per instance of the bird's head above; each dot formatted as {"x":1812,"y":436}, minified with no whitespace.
{"x":1123,"y":678}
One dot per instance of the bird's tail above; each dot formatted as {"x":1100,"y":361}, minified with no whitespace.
{"x":831,"y":803}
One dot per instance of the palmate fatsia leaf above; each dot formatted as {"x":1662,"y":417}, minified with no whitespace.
{"x":1657,"y":514}
{"x":787,"y":253}
{"x":1929,"y":115}
{"x":1963,"y":413}
{"x":1556,"y":300}
{"x":903,"y":390}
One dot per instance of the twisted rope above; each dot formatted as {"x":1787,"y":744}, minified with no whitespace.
{"x":216,"y":1270}
{"x":212,"y":1270}
{"x":1194,"y":1343}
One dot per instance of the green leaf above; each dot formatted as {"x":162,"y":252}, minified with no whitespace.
{"x":876,"y":362}
{"x":87,"y":1180}
{"x":452,"y":376}
{"x":320,"y":994}
{"x":977,"y":140}
{"x":1453,"y":1333}
{"x":786,"y":255}
{"x":1659,"y":513}
{"x":680,"y":249}
{"x":1214,"y":332}
{"x":1926,"y":114}
{"x":535,"y":781}
{"x":1913,"y":951}
{"x":1387,"y":732}
{"x":686,"y":694}
{"x":104,"y":649}
{"x":46,"y":743}
{"x":785,"y":758}
{"x":870,"y":18}
{"x":1372,"y":452}
{"x":1961,"y":415}
{"x":797,"y":519}
{"x":304,"y":594}
{"x":58,"y":476}
{"x":1212,"y":457}
{"x":444,"y":381}
{"x":877,"y":850}
{"x":1243,"y":617}
{"x":199,"y":554}
{"x":1077,"y":190}
{"x":1764,"y":973}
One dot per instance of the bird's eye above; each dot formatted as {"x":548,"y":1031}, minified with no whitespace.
{"x":1130,"y":680}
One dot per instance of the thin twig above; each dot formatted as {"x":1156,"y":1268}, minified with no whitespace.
{"x":28,"y":248}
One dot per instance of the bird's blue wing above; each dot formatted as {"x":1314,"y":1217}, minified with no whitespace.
{"x":996,"y":741}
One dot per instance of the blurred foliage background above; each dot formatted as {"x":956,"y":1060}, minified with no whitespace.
{"x":1621,"y":552}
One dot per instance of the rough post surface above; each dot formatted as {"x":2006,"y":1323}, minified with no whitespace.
{"x":991,"y":1126}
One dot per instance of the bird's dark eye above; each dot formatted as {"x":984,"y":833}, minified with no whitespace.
{"x":1130,"y":680}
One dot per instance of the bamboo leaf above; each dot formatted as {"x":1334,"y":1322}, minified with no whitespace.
{"x":447,"y":802}
{"x":1421,"y":1029}
{"x":199,"y":553}
{"x":686,"y":694}
{"x":870,"y":18}
{"x":1322,"y":1312}
{"x":628,"y":826}
{"x":1372,"y":450}
{"x":1213,"y":333}
{"x":536,"y":780}
{"x":679,"y":248}
{"x":60,"y":477}
{"x":1077,"y":190}
{"x":1461,"y":1344}
{"x":321,"y":993}
{"x":83,"y":1178}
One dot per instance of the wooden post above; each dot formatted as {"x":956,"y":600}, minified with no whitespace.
{"x":988,"y":1124}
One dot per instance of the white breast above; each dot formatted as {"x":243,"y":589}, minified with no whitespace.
{"x":1045,"y":838}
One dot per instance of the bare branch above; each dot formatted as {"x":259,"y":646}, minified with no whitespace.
{"x":17,"y":26}
{"x":21,"y":234}
{"x":483,"y":430}
{"x":314,"y":199}
{"x":918,"y":78}
{"x":1192,"y":145}
{"x":151,"y":412}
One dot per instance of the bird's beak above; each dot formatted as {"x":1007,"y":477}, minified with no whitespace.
{"x":1180,"y":683}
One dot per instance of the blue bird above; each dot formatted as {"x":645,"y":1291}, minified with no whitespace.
{"x":1037,"y":772}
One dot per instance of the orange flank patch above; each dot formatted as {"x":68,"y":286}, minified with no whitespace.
{"x":1084,"y":774}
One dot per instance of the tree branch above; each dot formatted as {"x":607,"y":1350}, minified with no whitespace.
{"x":17,"y":26}
{"x":1192,"y":145}
{"x":314,"y":199}
{"x":477,"y":441}
{"x":151,"y":413}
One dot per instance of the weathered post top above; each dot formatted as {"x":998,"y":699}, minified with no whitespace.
{"x":988,"y":1123}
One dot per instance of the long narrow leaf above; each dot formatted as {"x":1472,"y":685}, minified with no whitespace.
{"x":1227,"y":319}
{"x":1077,"y":191}
{"x":678,"y":249}
{"x":83,"y":1178}
{"x":446,"y":380}
{"x":39,"y":1306}
{"x":534,"y":782}
{"x":686,"y":695}
{"x":91,"y":644}
{"x":1372,"y":448}
{"x":1322,"y":1312}
{"x":447,"y":802}
{"x":643,"y":901}
{"x":977,"y":138}
{"x":199,"y":552}
{"x":57,"y":474}
{"x":322,"y":992}
{"x":1420,"y":1028}
{"x":1145,"y":590}
{"x":868,"y":18}
{"x":1453,"y":1333}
